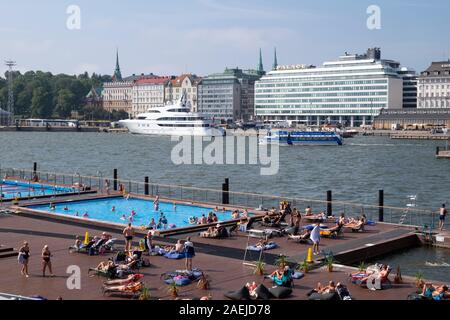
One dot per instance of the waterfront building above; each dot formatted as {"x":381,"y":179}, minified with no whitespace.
{"x":94,"y":97}
{"x":229,"y":96}
{"x":116,"y":95}
{"x":185,"y":83}
{"x":434,"y":86}
{"x":413,"y":118}
{"x":148,"y":93}
{"x":350,"y":90}
{"x":409,"y":77}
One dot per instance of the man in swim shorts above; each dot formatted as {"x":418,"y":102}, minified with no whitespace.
{"x":128,"y":234}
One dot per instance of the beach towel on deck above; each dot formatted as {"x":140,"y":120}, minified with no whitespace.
{"x":175,"y":255}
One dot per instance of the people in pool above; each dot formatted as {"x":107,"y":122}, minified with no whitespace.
{"x":133,"y":213}
{"x":210,"y":218}
{"x":156,"y":203}
{"x":85,"y":215}
{"x":123,"y":217}
{"x":216,"y":209}
{"x":203,"y":220}
{"x":76,"y":214}
{"x":52,"y":206}
{"x":66,"y":208}
{"x":152,"y":224}
{"x":113,"y":209}
{"x":174,"y":206}
{"x":162,"y":221}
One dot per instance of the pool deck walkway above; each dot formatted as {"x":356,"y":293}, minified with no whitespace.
{"x":221,"y":260}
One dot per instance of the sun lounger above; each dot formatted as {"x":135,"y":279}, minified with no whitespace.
{"x":355,"y":227}
{"x":269,"y":246}
{"x":299,"y":238}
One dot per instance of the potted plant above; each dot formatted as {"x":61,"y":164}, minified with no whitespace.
{"x":329,"y":261}
{"x":362,"y":266}
{"x":419,"y":280}
{"x":281,"y":261}
{"x":173,"y":290}
{"x":304,"y":266}
{"x":145,"y":294}
{"x":203,"y":283}
{"x":259,"y":268}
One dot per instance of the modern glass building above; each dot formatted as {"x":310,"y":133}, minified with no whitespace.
{"x":351,"y":90}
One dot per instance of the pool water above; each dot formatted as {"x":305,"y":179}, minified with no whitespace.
{"x":13,"y":189}
{"x":101,"y":210}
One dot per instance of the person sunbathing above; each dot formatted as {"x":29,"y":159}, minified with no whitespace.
{"x":427,"y":290}
{"x":278,"y":274}
{"x":381,"y":274}
{"x":106,"y":265}
{"x":261,"y":244}
{"x":211,"y":232}
{"x":131,"y":287}
{"x":440,"y":293}
{"x":330,"y":288}
{"x":119,"y":282}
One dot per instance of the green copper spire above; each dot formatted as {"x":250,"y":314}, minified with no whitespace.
{"x":117,"y":74}
{"x":260,"y":65}
{"x":275,"y":60}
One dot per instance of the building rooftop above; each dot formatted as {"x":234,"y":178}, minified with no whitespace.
{"x":437,"y":69}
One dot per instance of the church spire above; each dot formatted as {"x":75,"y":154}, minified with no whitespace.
{"x":260,"y":64}
{"x":275,"y":60}
{"x":117,"y":74}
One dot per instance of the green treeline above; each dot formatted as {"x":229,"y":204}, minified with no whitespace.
{"x":40,"y":94}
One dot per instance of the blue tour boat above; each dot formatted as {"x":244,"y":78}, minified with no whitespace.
{"x":302,"y":138}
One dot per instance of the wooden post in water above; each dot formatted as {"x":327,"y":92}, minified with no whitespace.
{"x":329,"y":203}
{"x":146,"y":186}
{"x":437,"y":151}
{"x":380,"y":205}
{"x":225,"y":194}
{"x":115,"y":180}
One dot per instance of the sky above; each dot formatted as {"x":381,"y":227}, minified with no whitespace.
{"x":205,"y":36}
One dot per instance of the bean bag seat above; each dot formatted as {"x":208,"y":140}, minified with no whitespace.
{"x":298,"y":275}
{"x":175,"y":255}
{"x":262,"y":293}
{"x":241,"y":294}
{"x":416,"y":296}
{"x":371,"y":223}
{"x":324,"y":296}
{"x":311,"y":227}
{"x":182,"y":280}
{"x":280,"y":292}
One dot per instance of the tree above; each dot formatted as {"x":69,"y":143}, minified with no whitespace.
{"x":41,"y":103}
{"x":64,"y":103}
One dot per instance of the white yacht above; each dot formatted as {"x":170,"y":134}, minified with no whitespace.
{"x":172,"y":119}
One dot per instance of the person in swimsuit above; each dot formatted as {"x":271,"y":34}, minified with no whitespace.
{"x":46,"y":254}
{"x":442,"y":214}
{"x":24,"y":255}
{"x":128,"y":234}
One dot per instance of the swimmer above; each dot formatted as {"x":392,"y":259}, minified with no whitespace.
{"x":174,"y":206}
{"x":66,"y":208}
{"x":123,"y":217}
{"x":85,"y":215}
{"x":127,"y":197}
{"x":133,"y":213}
{"x":76,"y":214}
{"x":216,"y":209}
{"x":130,"y":218}
{"x":113,"y":209}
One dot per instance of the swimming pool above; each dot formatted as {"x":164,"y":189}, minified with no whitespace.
{"x":12,"y":189}
{"x":101,"y":210}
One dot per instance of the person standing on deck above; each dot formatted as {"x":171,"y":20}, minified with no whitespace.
{"x":128,"y":233}
{"x":315,"y":238}
{"x":442,"y":214}
{"x":190,"y":253}
{"x":107,"y":186}
{"x":23,"y":258}
{"x":46,"y":262}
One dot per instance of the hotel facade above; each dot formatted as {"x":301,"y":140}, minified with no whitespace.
{"x":351,"y":90}
{"x":434,"y":86}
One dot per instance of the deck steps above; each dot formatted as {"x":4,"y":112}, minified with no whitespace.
{"x":7,"y":252}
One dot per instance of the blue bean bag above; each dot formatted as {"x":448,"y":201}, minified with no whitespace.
{"x":371,"y":223}
{"x":298,"y":275}
{"x":175,"y":255}
{"x":311,"y":227}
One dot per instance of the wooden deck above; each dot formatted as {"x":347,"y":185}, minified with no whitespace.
{"x":220,"y":259}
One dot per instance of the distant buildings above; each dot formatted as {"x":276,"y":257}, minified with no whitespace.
{"x":409,"y":77}
{"x":148,"y":93}
{"x":185,"y":82}
{"x":434,"y":86}
{"x":229,"y":96}
{"x":350,"y":90}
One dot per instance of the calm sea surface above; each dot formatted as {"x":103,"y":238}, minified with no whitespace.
{"x":354,"y":172}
